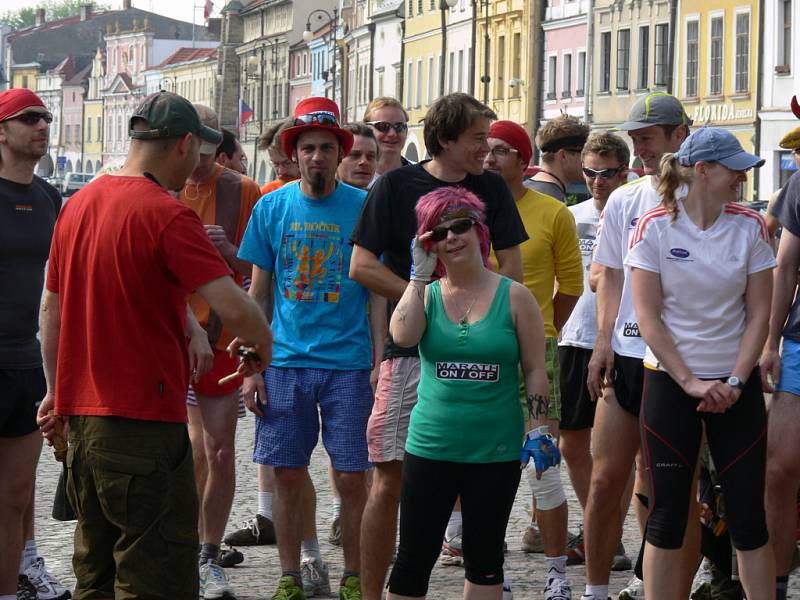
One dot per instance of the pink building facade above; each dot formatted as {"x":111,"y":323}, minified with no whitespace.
{"x":566,"y":63}
{"x":299,"y":73}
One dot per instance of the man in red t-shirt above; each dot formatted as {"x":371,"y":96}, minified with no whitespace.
{"x":125,"y":257}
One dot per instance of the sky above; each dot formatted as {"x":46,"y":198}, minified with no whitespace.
{"x":177,"y":9}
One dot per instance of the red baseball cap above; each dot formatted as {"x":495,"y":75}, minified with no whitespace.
{"x":315,"y":113}
{"x":15,"y":100}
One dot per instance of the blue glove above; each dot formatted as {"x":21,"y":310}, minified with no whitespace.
{"x":539,"y":446}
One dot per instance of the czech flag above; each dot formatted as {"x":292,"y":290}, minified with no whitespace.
{"x":208,"y":9}
{"x":245,"y":113}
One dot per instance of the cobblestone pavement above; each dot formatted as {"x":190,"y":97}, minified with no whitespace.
{"x":257,"y":576}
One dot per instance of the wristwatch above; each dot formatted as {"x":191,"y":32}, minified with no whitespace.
{"x":735,"y":382}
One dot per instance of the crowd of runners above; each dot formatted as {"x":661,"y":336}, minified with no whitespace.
{"x":448,"y":327}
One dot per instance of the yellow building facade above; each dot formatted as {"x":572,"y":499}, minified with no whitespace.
{"x":507,"y":68}
{"x":195,"y":78}
{"x":92,"y":135}
{"x":422,"y":55}
{"x":24,"y":76}
{"x":717,"y":67}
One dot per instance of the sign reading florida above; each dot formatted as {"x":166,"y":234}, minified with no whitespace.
{"x":468,"y":371}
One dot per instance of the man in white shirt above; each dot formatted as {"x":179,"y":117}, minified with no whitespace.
{"x":657,"y":124}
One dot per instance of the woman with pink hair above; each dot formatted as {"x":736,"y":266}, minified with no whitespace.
{"x":474,"y":329}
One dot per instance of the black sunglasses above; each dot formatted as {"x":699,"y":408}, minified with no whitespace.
{"x":323,"y":118}
{"x":459,"y":227}
{"x":32,"y":117}
{"x":385,"y":126}
{"x":604,"y":173}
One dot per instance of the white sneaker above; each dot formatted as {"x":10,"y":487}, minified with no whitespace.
{"x":507,"y":593}
{"x":47,"y":586}
{"x":634,"y":591}
{"x":452,"y":554}
{"x":557,"y":589}
{"x":703,"y":576}
{"x":214,"y":583}
{"x":314,"y":574}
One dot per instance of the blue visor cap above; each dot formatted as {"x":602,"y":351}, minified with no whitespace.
{"x":715,"y":144}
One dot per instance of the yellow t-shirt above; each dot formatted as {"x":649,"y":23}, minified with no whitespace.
{"x":551,"y":254}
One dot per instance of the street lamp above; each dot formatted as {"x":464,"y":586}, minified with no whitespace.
{"x":308,"y":35}
{"x":444,"y":6}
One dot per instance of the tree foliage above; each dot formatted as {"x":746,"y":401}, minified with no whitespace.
{"x":55,"y":9}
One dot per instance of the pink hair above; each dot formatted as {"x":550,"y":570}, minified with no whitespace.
{"x":435,"y":207}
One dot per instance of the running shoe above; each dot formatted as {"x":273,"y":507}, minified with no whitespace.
{"x":214,"y":583}
{"x":634,"y":591}
{"x":701,"y":585}
{"x":229,"y":557}
{"x":532,"y":541}
{"x":314,"y":573}
{"x":507,"y":593}
{"x":25,"y":589}
{"x":288,"y":590}
{"x":576,"y":551}
{"x":350,"y":589}
{"x":258,"y":531}
{"x":335,"y":536}
{"x":622,"y":561}
{"x":45,"y":584}
{"x":452,"y":552}
{"x":557,"y":589}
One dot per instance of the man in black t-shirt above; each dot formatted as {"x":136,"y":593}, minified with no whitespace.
{"x":455,"y":129}
{"x":28,"y":210}
{"x":780,"y":373}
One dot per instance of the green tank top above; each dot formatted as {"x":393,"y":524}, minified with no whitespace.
{"x":468,"y":406}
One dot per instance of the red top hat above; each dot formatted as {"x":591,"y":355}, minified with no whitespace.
{"x":315,"y":113}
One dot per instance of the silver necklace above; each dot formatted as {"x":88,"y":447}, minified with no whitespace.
{"x":463,"y":320}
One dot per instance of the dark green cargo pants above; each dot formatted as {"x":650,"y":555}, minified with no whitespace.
{"x":132,"y":485}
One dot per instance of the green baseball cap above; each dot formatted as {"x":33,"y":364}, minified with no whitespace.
{"x":169,"y":115}
{"x":656,"y":108}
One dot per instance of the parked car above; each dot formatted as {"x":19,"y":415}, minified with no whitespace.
{"x":74,"y":181}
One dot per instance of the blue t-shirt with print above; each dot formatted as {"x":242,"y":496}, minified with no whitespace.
{"x":320,"y":315}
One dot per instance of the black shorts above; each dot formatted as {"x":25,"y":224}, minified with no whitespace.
{"x":577,"y":407}
{"x":21,"y":392}
{"x":628,"y":383}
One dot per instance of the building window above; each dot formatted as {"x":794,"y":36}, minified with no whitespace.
{"x":692,"y":49}
{"x":430,"y":80}
{"x":500,"y":79}
{"x":717,"y":26}
{"x":77,"y":132}
{"x":410,"y":8}
{"x":784,"y":59}
{"x":644,"y":57}
{"x":67,"y":134}
{"x":419,"y":7}
{"x":380,"y":84}
{"x":552,"y":66}
{"x":409,"y":84}
{"x":460,"y":70}
{"x":451,"y":73}
{"x":623,"y":58}
{"x":662,"y":54}
{"x":605,"y":61}
{"x":25,"y":81}
{"x":432,"y":5}
{"x":419,"y":83}
{"x":89,"y":129}
{"x":566,"y":76}
{"x":99,"y":128}
{"x":517,"y":50}
{"x":742,"y":79}
{"x":580,"y":80}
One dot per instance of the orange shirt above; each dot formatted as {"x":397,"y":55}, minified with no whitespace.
{"x":227,"y":199}
{"x":273,"y":185}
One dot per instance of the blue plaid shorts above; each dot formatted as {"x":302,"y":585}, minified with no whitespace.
{"x":297,"y":399}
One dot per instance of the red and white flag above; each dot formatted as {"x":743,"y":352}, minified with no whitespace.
{"x":208,"y":9}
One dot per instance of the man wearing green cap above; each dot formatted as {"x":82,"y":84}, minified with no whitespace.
{"x":657,"y":124}
{"x":125,"y":257}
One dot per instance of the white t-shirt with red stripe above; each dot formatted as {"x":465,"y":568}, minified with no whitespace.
{"x":703,"y":280}
{"x":617,"y":224}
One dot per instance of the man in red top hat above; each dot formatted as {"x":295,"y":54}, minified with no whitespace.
{"x":298,"y":234}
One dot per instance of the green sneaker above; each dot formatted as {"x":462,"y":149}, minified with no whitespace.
{"x":351,"y":589}
{"x":288,"y":590}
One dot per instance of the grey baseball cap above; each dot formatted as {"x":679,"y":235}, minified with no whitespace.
{"x":657,"y":108}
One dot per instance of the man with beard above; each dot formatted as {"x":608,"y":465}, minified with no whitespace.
{"x":28,"y":209}
{"x":322,"y":359}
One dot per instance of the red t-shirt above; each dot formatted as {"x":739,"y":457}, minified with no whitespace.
{"x":124,"y":258}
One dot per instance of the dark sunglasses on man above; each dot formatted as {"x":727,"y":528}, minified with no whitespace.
{"x":32,"y":117}
{"x":604,"y":173}
{"x":459,"y":227}
{"x":385,"y":126}
{"x":321,"y":118}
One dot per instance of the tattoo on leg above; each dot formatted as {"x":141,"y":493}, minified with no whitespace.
{"x":537,"y":405}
